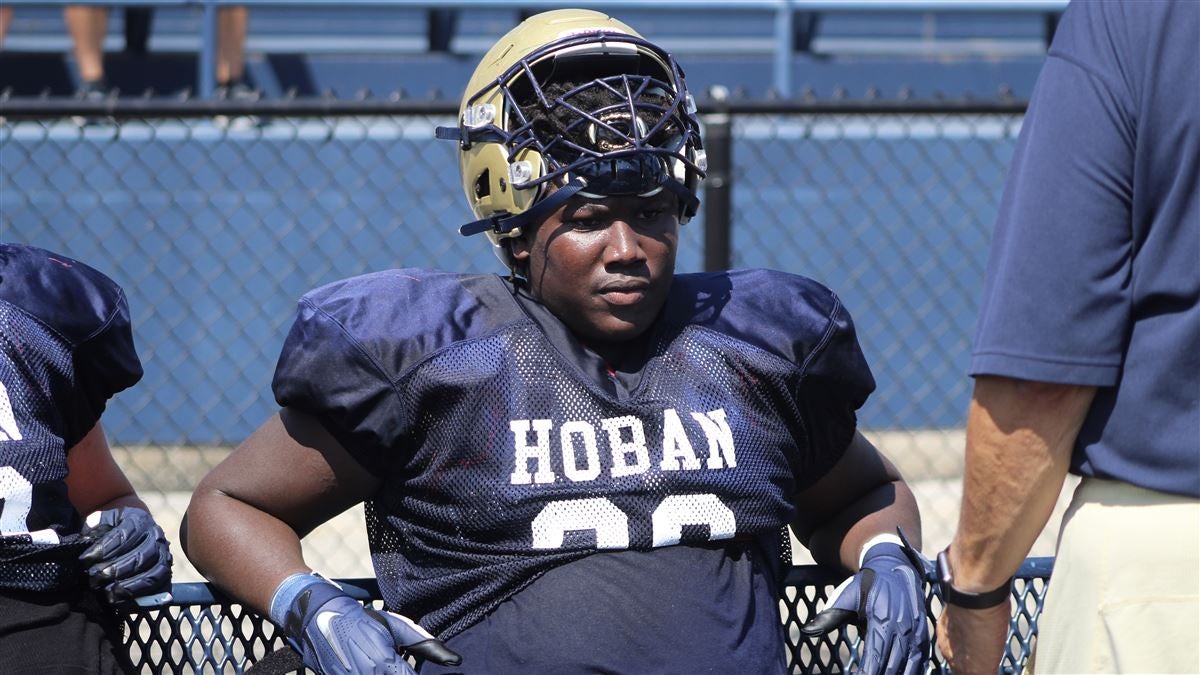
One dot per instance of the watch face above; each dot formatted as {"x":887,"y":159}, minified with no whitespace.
{"x":952,"y":596}
{"x":943,"y":567}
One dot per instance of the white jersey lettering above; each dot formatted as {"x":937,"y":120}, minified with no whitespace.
{"x":676,"y":447}
{"x":628,"y":453}
{"x":539,"y":452}
{"x":587,"y":433}
{"x":622,"y":450}
{"x":720,"y":438}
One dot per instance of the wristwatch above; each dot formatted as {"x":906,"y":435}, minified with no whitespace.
{"x":966,"y":599}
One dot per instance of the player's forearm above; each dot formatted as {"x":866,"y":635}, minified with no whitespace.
{"x":881,"y":510}
{"x":128,"y":499}
{"x":244,"y":550}
{"x":1020,"y":436}
{"x":94,"y":480}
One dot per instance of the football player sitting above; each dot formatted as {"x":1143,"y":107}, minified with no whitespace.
{"x":588,"y":465}
{"x":65,"y":348}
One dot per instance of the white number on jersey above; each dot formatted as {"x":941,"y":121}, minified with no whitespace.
{"x":8,"y":422}
{"x":17,"y":493}
{"x":571,"y":515}
{"x":15,"y":490}
{"x":611,"y":525}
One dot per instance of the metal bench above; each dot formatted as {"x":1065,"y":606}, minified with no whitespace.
{"x":203,"y":631}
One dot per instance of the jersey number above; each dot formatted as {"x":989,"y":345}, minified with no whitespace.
{"x":17,"y":493}
{"x":611,"y":525}
{"x":15,"y":490}
{"x":8,"y":422}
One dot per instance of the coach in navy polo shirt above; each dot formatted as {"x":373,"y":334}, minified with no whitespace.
{"x":1087,"y":356}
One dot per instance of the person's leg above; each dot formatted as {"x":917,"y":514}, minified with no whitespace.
{"x":88,"y":25}
{"x":1124,"y":595}
{"x":5,"y":20}
{"x":59,"y":632}
{"x":231,"y":45}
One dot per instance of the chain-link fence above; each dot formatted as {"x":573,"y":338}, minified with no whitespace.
{"x":894,"y":212}
{"x":216,"y":225}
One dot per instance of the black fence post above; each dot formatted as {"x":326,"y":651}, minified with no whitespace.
{"x":442,"y":23}
{"x":137,"y":29}
{"x":718,"y":184}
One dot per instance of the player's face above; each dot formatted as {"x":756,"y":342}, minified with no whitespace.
{"x":604,"y":266}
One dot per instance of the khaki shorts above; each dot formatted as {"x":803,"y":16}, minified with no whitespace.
{"x":1125,"y":593}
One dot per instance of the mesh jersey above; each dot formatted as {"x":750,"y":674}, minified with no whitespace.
{"x":500,"y":459}
{"x":65,"y":348}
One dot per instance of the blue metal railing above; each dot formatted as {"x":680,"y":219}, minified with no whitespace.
{"x":202,"y":630}
{"x":782,"y":38}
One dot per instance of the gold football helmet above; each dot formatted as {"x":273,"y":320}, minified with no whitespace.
{"x":576,"y":100}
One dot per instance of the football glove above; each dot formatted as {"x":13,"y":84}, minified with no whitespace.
{"x":129,"y":556}
{"x":886,"y":601}
{"x":336,"y":635}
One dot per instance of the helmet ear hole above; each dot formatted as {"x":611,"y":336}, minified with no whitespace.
{"x":483,"y":185}
{"x":519,"y":266}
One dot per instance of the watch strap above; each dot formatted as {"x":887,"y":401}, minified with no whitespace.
{"x":966,"y":599}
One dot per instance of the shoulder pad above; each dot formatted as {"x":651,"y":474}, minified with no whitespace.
{"x":69,"y":297}
{"x":786,"y":314}
{"x":415,"y":311}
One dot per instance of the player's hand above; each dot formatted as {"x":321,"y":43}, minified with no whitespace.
{"x":336,"y":635}
{"x":129,"y":556}
{"x":972,"y":640}
{"x":886,"y":600}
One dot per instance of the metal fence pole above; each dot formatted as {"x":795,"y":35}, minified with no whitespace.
{"x":784,"y":46}
{"x":206,"y":78}
{"x":718,"y":211}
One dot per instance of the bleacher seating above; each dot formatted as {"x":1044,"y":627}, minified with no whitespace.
{"x":312,"y":49}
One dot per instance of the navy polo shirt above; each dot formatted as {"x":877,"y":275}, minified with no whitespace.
{"x":1094,"y":273}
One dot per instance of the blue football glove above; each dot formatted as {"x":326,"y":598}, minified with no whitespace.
{"x":336,"y":635}
{"x":886,"y":601}
{"x":129,"y":556}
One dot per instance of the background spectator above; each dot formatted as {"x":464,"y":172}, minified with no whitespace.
{"x":88,"y":25}
{"x":6,"y":14}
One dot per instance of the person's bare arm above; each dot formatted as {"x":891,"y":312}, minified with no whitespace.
{"x":861,"y":498}
{"x":1020,"y":435}
{"x":94,"y":480}
{"x":863,"y":495}
{"x":127,"y":555}
{"x":243,"y":527}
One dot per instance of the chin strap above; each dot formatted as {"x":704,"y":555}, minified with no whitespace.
{"x":688,"y":201}
{"x":504,"y":223}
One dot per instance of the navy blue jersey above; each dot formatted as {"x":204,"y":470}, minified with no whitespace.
{"x":65,"y":348}
{"x":509,"y":452}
